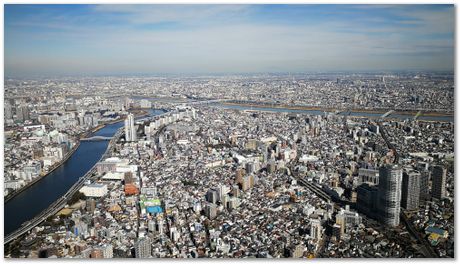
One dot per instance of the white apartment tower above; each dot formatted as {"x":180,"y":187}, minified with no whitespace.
{"x":130,"y":128}
{"x":389,"y":194}
{"x":316,"y":229}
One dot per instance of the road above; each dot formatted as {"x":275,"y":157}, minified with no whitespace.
{"x":426,"y":248}
{"x":387,"y":141}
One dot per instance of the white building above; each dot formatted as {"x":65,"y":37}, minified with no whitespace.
{"x":94,"y":190}
{"x":316,"y":229}
{"x":390,"y":185}
{"x":145,"y":103}
{"x":368,"y":176}
{"x":130,"y":128}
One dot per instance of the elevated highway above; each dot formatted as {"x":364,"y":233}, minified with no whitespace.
{"x":387,"y":114}
{"x":208,"y":101}
{"x":96,"y":138}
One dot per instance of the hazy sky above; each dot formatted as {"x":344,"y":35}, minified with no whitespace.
{"x":127,"y":39}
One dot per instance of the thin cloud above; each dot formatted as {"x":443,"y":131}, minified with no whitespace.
{"x":234,"y":38}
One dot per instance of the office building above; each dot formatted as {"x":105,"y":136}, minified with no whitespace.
{"x":410,"y":192}
{"x":389,"y":194}
{"x":438,"y":189}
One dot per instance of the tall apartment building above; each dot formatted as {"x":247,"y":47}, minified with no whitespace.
{"x":316,"y":229}
{"x":130,"y":128}
{"x":389,"y":194}
{"x":143,"y":248}
{"x":438,"y":189}
{"x":424,"y":185}
{"x":410,"y":190}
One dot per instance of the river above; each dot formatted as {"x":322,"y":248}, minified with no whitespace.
{"x":29,"y":203}
{"x":442,"y":118}
{"x":445,"y":118}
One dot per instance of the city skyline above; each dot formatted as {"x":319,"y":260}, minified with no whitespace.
{"x":187,"y":39}
{"x":350,"y":166}
{"x":229,"y":131}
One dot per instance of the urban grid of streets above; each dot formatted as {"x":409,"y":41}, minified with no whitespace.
{"x":206,"y":181}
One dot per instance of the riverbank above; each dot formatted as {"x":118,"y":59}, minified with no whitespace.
{"x":67,"y":156}
{"x":37,"y":179}
{"x":311,"y":108}
{"x":140,"y":112}
{"x":328,"y":109}
{"x":44,"y":198}
{"x":136,"y":112}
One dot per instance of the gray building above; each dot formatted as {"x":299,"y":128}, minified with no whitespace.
{"x":212,"y":195}
{"x":22,"y":113}
{"x":438,"y":189}
{"x":389,"y":194}
{"x":367,"y":199}
{"x":410,"y":190}
{"x":316,"y":229}
{"x":424,"y":185}
{"x":8,"y":110}
{"x":211,"y":211}
{"x":143,"y":248}
{"x":368,"y":176}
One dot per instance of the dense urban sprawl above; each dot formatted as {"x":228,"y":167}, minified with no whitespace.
{"x":205,"y":181}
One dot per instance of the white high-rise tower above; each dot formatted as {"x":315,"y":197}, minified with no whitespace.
{"x":130,"y":129}
{"x":389,"y":194}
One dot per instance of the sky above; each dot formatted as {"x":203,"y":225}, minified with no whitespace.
{"x":185,"y":39}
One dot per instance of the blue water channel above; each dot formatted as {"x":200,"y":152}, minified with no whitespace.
{"x":371,"y":115}
{"x":318,"y":112}
{"x":26,"y":205}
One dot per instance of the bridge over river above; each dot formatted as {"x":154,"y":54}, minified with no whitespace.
{"x":97,"y":138}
